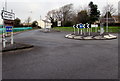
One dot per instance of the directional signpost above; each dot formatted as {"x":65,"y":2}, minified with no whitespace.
{"x":8,"y":21}
{"x":78,"y":28}
{"x":81,"y":27}
{"x":89,"y":29}
{"x":87,"y":32}
{"x":85,"y":28}
{"x":74,"y":27}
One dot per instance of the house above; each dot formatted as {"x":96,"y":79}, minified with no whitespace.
{"x":113,"y":19}
{"x":44,"y":24}
{"x":27,"y":24}
{"x":116,"y":18}
{"x":105,"y":20}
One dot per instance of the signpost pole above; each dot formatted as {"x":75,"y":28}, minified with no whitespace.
{"x":74,"y":30}
{"x":8,"y":19}
{"x":12,"y":30}
{"x":81,"y":28}
{"x":81,"y":31}
{"x":84,"y":29}
{"x":89,"y":31}
{"x":96,"y":29}
{"x":3,"y":34}
{"x":12,"y":36}
{"x":78,"y":31}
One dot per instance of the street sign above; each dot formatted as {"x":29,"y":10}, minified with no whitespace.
{"x":8,"y":22}
{"x":9,"y":28}
{"x":7,"y":15}
{"x":59,"y":23}
{"x":74,"y":26}
{"x":94,"y":25}
{"x":81,"y":26}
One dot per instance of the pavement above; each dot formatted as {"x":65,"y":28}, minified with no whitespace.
{"x":15,"y":46}
{"x":55,"y":57}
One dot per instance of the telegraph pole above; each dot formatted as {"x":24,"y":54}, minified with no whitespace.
{"x":107,"y":18}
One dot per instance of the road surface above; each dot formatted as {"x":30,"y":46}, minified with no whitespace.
{"x":56,"y":57}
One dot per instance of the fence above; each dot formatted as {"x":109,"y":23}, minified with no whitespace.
{"x":17,"y":29}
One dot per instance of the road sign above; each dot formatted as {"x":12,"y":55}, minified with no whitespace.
{"x":7,"y":15}
{"x":9,"y":28}
{"x":94,"y":25}
{"x":59,"y":23}
{"x":74,"y":26}
{"x":81,"y":26}
{"x":8,"y":21}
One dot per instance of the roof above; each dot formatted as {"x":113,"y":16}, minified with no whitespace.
{"x":46,"y":21}
{"x":110,"y":20}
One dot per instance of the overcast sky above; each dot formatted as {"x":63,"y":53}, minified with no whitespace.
{"x":23,"y":8}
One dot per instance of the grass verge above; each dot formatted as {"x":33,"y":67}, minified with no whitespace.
{"x":112,"y":29}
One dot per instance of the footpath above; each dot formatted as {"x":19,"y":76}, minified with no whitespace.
{"x":15,"y":46}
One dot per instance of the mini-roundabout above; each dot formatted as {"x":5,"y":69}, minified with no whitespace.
{"x":92,"y":36}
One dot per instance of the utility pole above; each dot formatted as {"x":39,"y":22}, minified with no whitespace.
{"x":107,"y":18}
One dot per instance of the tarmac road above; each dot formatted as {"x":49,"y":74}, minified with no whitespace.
{"x":56,"y":57}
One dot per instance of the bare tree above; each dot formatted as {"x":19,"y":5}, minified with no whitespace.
{"x":28,"y":20}
{"x":59,"y":15}
{"x":109,"y":8}
{"x":119,"y":11}
{"x":64,"y":14}
{"x":66,"y":11}
{"x":51,"y":15}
